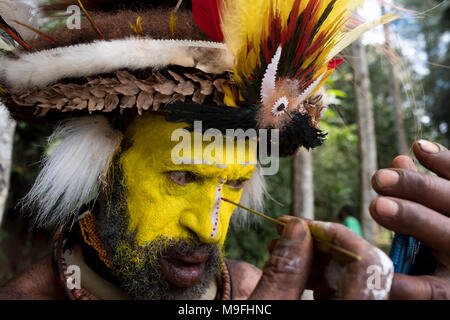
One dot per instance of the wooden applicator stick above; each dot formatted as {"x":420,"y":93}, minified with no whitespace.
{"x":325,"y":243}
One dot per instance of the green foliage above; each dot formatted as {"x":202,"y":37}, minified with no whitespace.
{"x":336,"y":180}
{"x":431,"y":31}
{"x":29,"y":147}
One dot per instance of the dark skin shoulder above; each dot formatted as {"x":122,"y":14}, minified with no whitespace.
{"x":245,"y":277}
{"x":38,"y":282}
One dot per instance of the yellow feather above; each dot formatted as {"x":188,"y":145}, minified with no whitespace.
{"x":173,"y":24}
{"x":138,"y":28}
{"x":139,"y":25}
{"x":242,"y":22}
{"x":229,"y":97}
{"x":327,"y":74}
{"x":245,"y":26}
{"x":3,"y":91}
{"x":356,"y":33}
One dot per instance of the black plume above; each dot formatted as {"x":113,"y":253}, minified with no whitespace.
{"x":212,"y":116}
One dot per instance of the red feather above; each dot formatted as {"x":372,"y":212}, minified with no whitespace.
{"x":206,"y":16}
{"x":309,"y":15}
{"x":334,"y":63}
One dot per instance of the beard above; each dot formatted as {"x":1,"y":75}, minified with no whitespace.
{"x":138,"y":269}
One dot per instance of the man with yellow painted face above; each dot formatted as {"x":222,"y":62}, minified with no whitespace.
{"x":139,"y":211}
{"x":137,"y":215}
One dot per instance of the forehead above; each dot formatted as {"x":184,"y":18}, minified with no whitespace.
{"x":171,"y":146}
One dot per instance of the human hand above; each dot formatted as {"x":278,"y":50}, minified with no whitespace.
{"x":335,"y":276}
{"x":286,"y":272}
{"x":418,"y":204}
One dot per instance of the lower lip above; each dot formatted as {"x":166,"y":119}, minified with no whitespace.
{"x":180,"y":274}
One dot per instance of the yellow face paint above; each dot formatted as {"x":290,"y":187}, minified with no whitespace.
{"x":158,"y":206}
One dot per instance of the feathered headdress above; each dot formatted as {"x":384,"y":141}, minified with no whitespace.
{"x":261,"y":69}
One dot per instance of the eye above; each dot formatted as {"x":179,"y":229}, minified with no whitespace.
{"x":280,"y":107}
{"x":236,"y":184}
{"x":182,"y":178}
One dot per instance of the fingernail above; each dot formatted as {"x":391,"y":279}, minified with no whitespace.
{"x":293,"y":231}
{"x":428,"y":147}
{"x":386,"y":178}
{"x":386,"y":207}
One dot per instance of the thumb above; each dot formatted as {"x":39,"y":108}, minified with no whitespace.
{"x":286,"y":273}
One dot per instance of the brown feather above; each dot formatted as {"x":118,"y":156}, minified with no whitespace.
{"x":108,"y":5}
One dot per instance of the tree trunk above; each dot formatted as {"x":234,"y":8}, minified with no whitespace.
{"x":396,"y":96}
{"x":302,"y":185}
{"x":367,"y":141}
{"x":7,"y":126}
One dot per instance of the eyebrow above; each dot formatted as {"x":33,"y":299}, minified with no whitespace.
{"x":193,"y":167}
{"x":191,"y":161}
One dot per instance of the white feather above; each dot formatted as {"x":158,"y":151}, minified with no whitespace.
{"x":307,"y":92}
{"x":268,"y":82}
{"x":73,"y":172}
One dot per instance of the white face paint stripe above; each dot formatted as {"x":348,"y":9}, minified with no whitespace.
{"x":215,"y":212}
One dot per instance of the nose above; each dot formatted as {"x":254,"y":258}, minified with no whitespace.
{"x":204,"y":217}
{"x":206,"y":231}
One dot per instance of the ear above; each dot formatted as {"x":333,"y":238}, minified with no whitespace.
{"x":268,"y":82}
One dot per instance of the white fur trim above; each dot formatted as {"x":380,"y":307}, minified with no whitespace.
{"x":45,"y":67}
{"x":74,"y":170}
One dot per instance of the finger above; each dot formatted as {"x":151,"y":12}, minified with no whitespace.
{"x":429,"y":190}
{"x":404,"y":162}
{"x":285,"y":219}
{"x":337,"y":234}
{"x":406,"y":287}
{"x":286,"y":273}
{"x":272,"y":245}
{"x":349,"y":279}
{"x":411,"y":218}
{"x":434,"y":157}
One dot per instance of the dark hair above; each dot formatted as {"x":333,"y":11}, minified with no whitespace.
{"x":348,"y":210}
